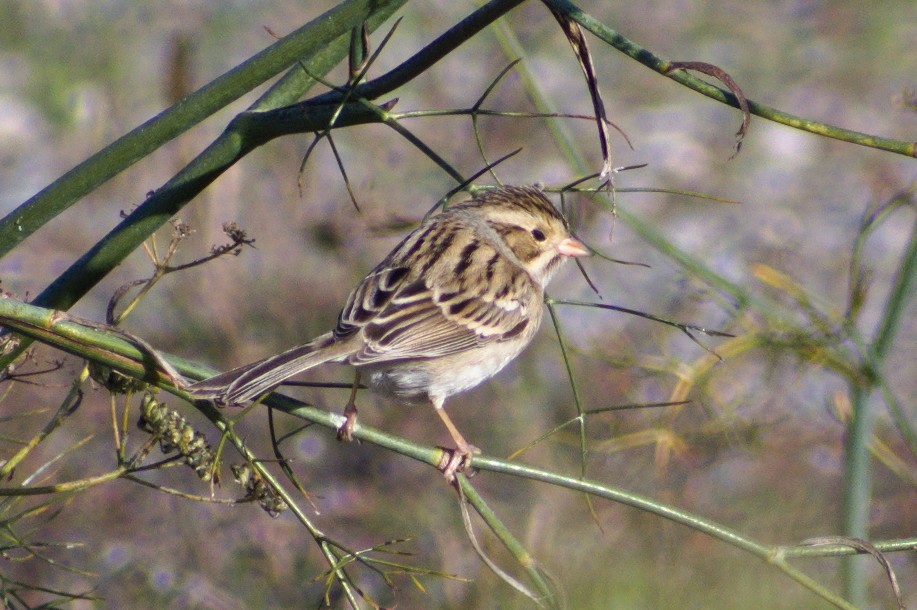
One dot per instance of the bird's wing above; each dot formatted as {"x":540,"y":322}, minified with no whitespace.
{"x":456,"y":304}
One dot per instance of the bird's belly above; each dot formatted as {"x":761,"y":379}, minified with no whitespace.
{"x":422,"y":380}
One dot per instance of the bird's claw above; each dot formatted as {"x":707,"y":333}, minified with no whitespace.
{"x":457,"y":460}
{"x":345,"y":431}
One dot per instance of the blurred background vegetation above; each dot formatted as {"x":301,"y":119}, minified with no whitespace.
{"x":760,"y":448}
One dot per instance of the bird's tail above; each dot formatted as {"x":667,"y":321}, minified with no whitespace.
{"x":246,"y":383}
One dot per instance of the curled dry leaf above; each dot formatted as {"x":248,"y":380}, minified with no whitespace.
{"x":722,"y":76}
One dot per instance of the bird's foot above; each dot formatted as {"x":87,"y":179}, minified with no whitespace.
{"x":345,"y":431}
{"x":457,"y":460}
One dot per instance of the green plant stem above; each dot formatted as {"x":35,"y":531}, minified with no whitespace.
{"x":857,"y":471}
{"x":239,"y":138}
{"x":120,"y":354}
{"x":168,"y":200}
{"x":63,"y":411}
{"x":68,"y":487}
{"x":857,"y":489}
{"x":327,"y":550}
{"x":519,"y":552}
{"x":133,"y":146}
{"x":715,"y":530}
{"x":427,"y":57}
{"x":654,"y":62}
{"x":841,"y":550}
{"x":56,"y":329}
{"x":901,"y":294}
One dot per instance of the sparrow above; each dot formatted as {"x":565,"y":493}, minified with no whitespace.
{"x":452,"y":304}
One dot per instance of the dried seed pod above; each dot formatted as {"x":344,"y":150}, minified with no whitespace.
{"x":257,"y":489}
{"x":175,"y":434}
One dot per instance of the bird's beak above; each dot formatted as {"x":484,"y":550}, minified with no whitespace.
{"x":573,"y":247}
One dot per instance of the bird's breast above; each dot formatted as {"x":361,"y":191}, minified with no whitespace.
{"x":418,"y":381}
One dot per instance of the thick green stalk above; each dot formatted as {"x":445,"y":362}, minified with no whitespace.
{"x":128,"y":149}
{"x":237,"y":140}
{"x":48,"y":326}
{"x":654,"y":62}
{"x":857,"y":472}
{"x":857,"y":490}
{"x":169,"y":199}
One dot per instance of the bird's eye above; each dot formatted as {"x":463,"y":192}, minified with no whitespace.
{"x":538,"y":234}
